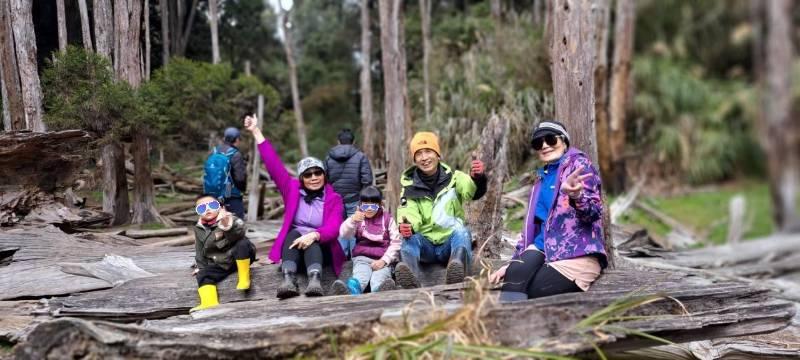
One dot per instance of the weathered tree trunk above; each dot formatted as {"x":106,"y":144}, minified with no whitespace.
{"x":497,"y":9}
{"x":115,"y":184}
{"x":288,"y":45}
{"x":13,"y":104}
{"x":538,"y":6}
{"x":367,"y":122}
{"x":486,"y":215}
{"x":572,"y":54}
{"x":4,"y":104}
{"x":601,"y":18}
{"x":778,"y":136}
{"x":180,"y":50}
{"x":25,"y":45}
{"x":625,"y":20}
{"x":85,"y":32}
{"x":394,"y":108}
{"x":62,"y":25}
{"x":425,"y":13}
{"x":104,"y":28}
{"x":253,"y":202}
{"x":164,"y":32}
{"x":146,"y":39}
{"x":213,"y":12}
{"x":144,"y":206}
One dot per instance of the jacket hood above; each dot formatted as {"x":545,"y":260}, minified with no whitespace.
{"x":343,"y":152}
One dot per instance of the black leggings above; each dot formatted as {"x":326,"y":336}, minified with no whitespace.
{"x":311,"y":256}
{"x":213,"y":273}
{"x":530,"y":275}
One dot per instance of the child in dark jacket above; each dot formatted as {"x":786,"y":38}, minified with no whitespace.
{"x":377,"y":245}
{"x":220,"y":249}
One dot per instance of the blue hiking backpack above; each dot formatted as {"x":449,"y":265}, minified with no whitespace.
{"x":217,"y":180}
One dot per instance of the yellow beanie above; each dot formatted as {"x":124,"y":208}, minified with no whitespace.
{"x":424,"y":140}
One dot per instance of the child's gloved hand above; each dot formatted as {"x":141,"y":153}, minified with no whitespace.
{"x":377,"y":265}
{"x":406,"y":230}
{"x":225,"y":220}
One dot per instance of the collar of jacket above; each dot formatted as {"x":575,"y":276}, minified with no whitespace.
{"x":414,"y":188}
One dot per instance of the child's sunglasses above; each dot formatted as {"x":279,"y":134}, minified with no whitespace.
{"x":538,"y":143}
{"x":369,"y":207}
{"x":211,"y":205}
{"x":309,"y":174}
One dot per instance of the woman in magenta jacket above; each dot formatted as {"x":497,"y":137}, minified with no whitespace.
{"x":311,"y":220}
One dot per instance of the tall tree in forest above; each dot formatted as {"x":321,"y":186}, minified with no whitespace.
{"x":777,"y":127}
{"x":425,"y":15}
{"x":601,"y":17}
{"x":497,"y":9}
{"x":13,"y":104}
{"x":104,"y":28}
{"x":572,"y":57}
{"x":213,"y":20}
{"x":85,"y":26}
{"x":164,"y":10}
{"x":393,"y":61}
{"x":61,"y":15}
{"x":25,"y":46}
{"x":620,"y":92}
{"x":367,"y":122}
{"x":146,"y":39}
{"x":288,"y":47}
{"x":127,"y":25}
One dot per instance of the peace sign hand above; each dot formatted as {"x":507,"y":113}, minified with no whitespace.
{"x":573,"y":186}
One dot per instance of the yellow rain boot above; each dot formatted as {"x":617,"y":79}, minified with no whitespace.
{"x":244,"y":274}
{"x":208,"y":297}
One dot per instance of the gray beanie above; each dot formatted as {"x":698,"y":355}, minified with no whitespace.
{"x":308,"y":163}
{"x":548,"y":128}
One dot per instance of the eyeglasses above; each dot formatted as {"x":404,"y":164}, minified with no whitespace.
{"x":551,"y":140}
{"x":309,"y":174}
{"x":369,"y":207}
{"x":211,"y":205}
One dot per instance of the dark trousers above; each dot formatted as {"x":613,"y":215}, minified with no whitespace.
{"x":311,"y":257}
{"x":530,"y":275}
{"x":236,"y":206}
{"x":213,"y":273}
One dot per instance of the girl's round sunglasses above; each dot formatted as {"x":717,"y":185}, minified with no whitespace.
{"x":551,"y":140}
{"x":369,"y":207}
{"x":212,"y":205}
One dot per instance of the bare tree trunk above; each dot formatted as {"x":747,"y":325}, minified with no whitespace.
{"x":146,"y":39}
{"x":115,"y":184}
{"x":537,"y":12}
{"x":497,"y":9}
{"x":25,"y":44}
{"x":367,"y":122}
{"x":6,"y":113}
{"x":602,"y":17}
{"x":620,"y":91}
{"x":13,"y":105}
{"x":254,"y":203}
{"x":128,"y":15}
{"x":164,"y":32}
{"x":85,"y":26}
{"x":573,"y":63}
{"x":779,"y":128}
{"x":62,"y":25}
{"x":425,"y":13}
{"x":187,"y":30}
{"x":213,"y":20}
{"x":104,"y":28}
{"x":394,"y":108}
{"x":298,"y":109}
{"x":403,"y":73}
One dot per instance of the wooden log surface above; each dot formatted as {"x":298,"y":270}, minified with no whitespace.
{"x":142,"y":234}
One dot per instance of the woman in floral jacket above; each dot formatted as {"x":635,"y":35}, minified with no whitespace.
{"x":561,"y":247}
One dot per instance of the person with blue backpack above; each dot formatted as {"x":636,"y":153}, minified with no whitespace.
{"x":226,"y":173}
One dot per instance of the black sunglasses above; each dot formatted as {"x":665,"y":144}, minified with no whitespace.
{"x":551,"y":140}
{"x":309,"y":174}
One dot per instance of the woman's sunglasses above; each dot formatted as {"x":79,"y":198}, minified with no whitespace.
{"x":369,"y":207}
{"x":309,"y":174}
{"x":551,"y":140}
{"x":211,"y":205}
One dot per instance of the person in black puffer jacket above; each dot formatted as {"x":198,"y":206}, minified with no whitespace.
{"x":348,"y":171}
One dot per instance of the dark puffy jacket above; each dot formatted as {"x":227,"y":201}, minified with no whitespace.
{"x":348,"y":171}
{"x":238,"y":170}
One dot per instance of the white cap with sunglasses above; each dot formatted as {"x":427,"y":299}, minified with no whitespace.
{"x":308,"y":163}
{"x":548,"y":131}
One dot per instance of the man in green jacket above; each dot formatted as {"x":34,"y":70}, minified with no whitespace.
{"x":431,"y":212}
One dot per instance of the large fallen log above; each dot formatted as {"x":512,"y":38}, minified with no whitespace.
{"x":308,"y":326}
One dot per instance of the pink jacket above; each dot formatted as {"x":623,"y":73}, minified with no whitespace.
{"x":289,"y":187}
